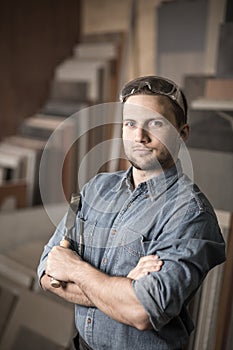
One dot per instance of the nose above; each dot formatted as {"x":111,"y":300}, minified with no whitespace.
{"x":141,"y":135}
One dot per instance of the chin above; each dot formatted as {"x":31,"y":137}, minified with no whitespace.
{"x":155,"y":165}
{"x":146,"y":166}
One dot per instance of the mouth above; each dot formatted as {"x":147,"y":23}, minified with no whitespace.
{"x":142,"y":150}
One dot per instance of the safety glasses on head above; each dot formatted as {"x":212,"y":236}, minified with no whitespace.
{"x":155,"y":85}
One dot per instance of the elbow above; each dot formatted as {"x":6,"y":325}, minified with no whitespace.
{"x":139,"y":319}
{"x":140,"y":327}
{"x":143,"y":323}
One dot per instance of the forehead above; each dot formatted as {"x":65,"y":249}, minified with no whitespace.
{"x":142,"y":107}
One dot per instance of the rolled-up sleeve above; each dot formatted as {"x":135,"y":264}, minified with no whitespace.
{"x":54,"y":241}
{"x":189,"y":248}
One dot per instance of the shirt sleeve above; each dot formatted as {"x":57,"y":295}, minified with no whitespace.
{"x":189,"y":248}
{"x":54,"y":241}
{"x":56,"y":238}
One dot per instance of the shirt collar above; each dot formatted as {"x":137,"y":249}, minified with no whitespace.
{"x":156,"y":185}
{"x":126,"y":180}
{"x":159,"y":184}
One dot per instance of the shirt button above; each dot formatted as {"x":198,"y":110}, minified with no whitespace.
{"x":113,"y":231}
{"x":105,"y":261}
{"x":89,"y":320}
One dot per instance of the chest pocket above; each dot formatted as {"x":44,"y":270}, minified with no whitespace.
{"x":131,"y":248}
{"x":121,"y":251}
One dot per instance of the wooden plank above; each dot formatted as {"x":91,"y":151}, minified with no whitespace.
{"x":38,"y":317}
{"x":17,"y":190}
{"x":226,"y":300}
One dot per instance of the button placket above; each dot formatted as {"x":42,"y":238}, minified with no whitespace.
{"x":139,"y":192}
{"x":113,"y":231}
{"x":89,"y":325}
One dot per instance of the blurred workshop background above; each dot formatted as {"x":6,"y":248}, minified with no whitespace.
{"x":62,"y":64}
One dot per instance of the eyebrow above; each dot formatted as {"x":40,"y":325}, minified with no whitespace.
{"x":146,"y":120}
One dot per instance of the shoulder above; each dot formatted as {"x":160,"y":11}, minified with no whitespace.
{"x":190,"y":195}
{"x":103,"y":182}
{"x":114,"y":177}
{"x":100,"y":193}
{"x":190,"y":208}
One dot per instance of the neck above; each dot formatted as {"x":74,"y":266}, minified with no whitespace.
{"x":140,"y":176}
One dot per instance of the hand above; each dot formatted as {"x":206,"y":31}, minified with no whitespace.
{"x":60,"y":263}
{"x":145,"y":266}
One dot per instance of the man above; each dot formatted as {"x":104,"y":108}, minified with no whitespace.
{"x":125,"y":297}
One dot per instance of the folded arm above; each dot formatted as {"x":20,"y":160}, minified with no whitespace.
{"x":85,"y":285}
{"x":68,"y":291}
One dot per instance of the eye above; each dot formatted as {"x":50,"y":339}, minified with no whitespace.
{"x":155,"y":123}
{"x":129,"y":123}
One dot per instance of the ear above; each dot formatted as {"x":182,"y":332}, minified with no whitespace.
{"x":184,"y":132}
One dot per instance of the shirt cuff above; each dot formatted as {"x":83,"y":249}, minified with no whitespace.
{"x":144,"y":292}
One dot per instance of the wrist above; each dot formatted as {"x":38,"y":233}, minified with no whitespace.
{"x":77,"y":270}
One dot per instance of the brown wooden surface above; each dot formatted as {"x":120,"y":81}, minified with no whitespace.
{"x":35,"y":36}
{"x":17,"y":190}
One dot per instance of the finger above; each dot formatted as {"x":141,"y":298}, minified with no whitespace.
{"x":149,"y":269}
{"x":135,"y":275}
{"x":150,"y":263}
{"x":138,"y":272}
{"x":151,"y":266}
{"x":149,"y":258}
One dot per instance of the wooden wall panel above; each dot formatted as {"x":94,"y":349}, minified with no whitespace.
{"x":34,"y":37}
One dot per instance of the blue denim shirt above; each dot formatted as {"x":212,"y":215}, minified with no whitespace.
{"x":168,"y":216}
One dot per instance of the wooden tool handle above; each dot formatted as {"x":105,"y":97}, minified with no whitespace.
{"x":55,"y":283}
{"x":65,"y":243}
